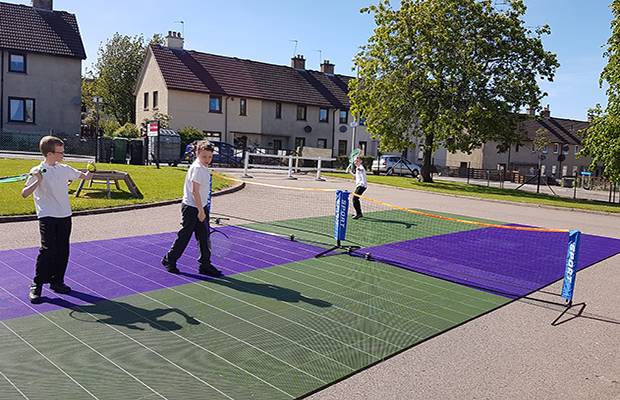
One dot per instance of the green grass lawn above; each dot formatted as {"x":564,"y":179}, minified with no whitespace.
{"x":483,"y":192}
{"x":155,"y":184}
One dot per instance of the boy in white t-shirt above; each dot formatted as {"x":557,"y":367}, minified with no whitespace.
{"x":48,"y":183}
{"x":195,"y":213}
{"x":360,"y":186}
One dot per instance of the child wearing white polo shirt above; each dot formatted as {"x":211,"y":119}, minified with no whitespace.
{"x":48,"y":183}
{"x":195,"y":213}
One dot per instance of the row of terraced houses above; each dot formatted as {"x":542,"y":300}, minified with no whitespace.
{"x":238,"y":101}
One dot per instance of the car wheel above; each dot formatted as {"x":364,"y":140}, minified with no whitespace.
{"x":415,"y":173}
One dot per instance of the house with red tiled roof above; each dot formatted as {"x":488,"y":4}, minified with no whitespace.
{"x":268,"y":106}
{"x":560,"y":158}
{"x":41,"y":53}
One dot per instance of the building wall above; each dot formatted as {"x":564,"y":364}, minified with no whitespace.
{"x":151,"y":81}
{"x":55,"y":83}
{"x":455,"y":159}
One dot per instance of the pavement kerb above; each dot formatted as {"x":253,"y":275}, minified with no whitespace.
{"x":33,"y":217}
{"x":496,"y":200}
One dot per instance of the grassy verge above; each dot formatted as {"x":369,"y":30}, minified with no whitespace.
{"x":155,"y":184}
{"x":483,"y":192}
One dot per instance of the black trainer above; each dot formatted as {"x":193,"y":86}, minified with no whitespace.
{"x":35,"y":293}
{"x":357,"y":216}
{"x":172,"y":268}
{"x":61,"y":288}
{"x":209,"y":270}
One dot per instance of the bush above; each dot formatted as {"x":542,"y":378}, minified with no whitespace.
{"x":128,"y":130}
{"x":109,"y":126}
{"x":189,"y":134}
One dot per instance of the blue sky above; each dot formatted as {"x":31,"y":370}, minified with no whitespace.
{"x":262,"y":30}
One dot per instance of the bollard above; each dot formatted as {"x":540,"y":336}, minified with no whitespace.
{"x":290,"y":168}
{"x":318,"y":171}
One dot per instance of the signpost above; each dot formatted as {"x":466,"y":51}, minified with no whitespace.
{"x":152,"y":130}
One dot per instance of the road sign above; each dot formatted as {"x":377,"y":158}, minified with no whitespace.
{"x":152,"y":128}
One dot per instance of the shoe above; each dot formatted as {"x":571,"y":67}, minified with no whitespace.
{"x":35,"y":293}
{"x":357,"y":216}
{"x":60,"y":288}
{"x":209,"y":270}
{"x":172,"y":268}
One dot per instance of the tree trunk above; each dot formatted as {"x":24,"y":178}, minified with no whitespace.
{"x":428,"y":152}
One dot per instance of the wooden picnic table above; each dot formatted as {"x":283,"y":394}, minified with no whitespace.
{"x":107,"y":177}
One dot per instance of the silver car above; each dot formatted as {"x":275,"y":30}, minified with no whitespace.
{"x":390,"y":166}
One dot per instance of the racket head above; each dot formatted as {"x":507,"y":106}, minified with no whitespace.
{"x":219,"y":243}
{"x":354,"y":154}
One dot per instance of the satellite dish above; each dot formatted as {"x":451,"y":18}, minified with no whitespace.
{"x":343,"y":128}
{"x":307,"y":129}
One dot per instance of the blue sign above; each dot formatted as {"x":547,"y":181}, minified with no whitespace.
{"x":341,"y":214}
{"x":571,"y":265}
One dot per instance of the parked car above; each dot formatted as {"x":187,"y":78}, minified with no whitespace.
{"x":390,"y":165}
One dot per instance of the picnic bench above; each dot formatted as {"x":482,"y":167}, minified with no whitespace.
{"x":107,"y":177}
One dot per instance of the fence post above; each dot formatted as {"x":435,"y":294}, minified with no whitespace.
{"x":290,"y":168}
{"x":575,"y":187}
{"x":245,"y":165}
{"x":488,"y":178}
{"x":468,"y":168}
{"x":318,"y":171}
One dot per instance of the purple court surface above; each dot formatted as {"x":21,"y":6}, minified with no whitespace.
{"x":136,"y":261}
{"x":510,"y":263}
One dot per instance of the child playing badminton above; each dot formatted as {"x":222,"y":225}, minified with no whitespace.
{"x":51,"y":201}
{"x":360,"y":185}
{"x":195,"y":213}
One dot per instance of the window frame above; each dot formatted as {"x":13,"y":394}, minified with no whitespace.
{"x":318,"y":143}
{"x":278,"y":110}
{"x":556,"y":148}
{"x":219,"y":103}
{"x":243,"y":107}
{"x":326,"y":119}
{"x":23,"y":100}
{"x":155,"y":100}
{"x":363,"y":146}
{"x":145,"y":101}
{"x":346,"y":117}
{"x":305,"y":112}
{"x":576,"y":149}
{"x":301,"y":139}
{"x":346,"y":144}
{"x":23,"y":55}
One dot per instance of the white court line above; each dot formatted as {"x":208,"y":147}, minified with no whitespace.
{"x":41,"y":354}
{"x":174,"y":333}
{"x":224,"y":311}
{"x":14,"y":386}
{"x":292,"y":305}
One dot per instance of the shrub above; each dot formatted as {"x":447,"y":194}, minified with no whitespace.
{"x":128,"y":130}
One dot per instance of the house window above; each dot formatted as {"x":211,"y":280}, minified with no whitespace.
{"x":155,"y":99}
{"x":533,"y":147}
{"x":300,"y":142}
{"x":243,"y":107}
{"x":576,"y":149}
{"x":323,"y":115}
{"x":321,"y":143}
{"x":301,"y":113}
{"x":146,"y":100}
{"x":517,"y":148}
{"x":277,"y":145}
{"x":565,"y":149}
{"x":342,"y":147}
{"x":556,"y":148}
{"x":363,"y":148}
{"x":575,"y":170}
{"x":543,"y":170}
{"x":215,"y":104}
{"x":21,"y":110}
{"x":554,"y":169}
{"x":17,"y":63}
{"x":545,"y":150}
{"x":213,"y":136}
{"x":278,"y":110}
{"x":343,"y":117}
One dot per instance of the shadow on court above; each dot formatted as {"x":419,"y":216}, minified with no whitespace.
{"x":262,"y":289}
{"x":119,"y":313}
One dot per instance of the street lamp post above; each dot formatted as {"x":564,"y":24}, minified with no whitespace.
{"x":97,"y":100}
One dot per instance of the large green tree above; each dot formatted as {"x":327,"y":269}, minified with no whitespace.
{"x":455,"y":72}
{"x":602,"y":137}
{"x":118,"y":65}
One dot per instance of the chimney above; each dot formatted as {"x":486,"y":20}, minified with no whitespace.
{"x":327,"y":67}
{"x":531,"y":111}
{"x":174,"y":40}
{"x":43,"y":4}
{"x":546,"y":112}
{"x":298,"y":62}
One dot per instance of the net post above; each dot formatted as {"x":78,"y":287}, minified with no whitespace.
{"x":290,"y":168}
{"x":341,"y":214}
{"x":570,"y":271}
{"x":318,"y":171}
{"x":246,"y":162}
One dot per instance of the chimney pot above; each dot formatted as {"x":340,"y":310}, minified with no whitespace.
{"x":298,"y":62}
{"x":174,"y":40}
{"x":43,"y":4}
{"x":546,"y":112}
{"x":327,"y":67}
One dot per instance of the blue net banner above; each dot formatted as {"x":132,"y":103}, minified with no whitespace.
{"x":341,"y":214}
{"x":571,"y":265}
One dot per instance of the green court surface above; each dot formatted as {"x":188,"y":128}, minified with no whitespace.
{"x":273,"y":333}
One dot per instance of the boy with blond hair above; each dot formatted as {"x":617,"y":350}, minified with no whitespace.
{"x":195,"y":213}
{"x":48,"y":182}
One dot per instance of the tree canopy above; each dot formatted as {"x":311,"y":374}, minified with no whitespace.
{"x":602,"y":137}
{"x":455,"y":72}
